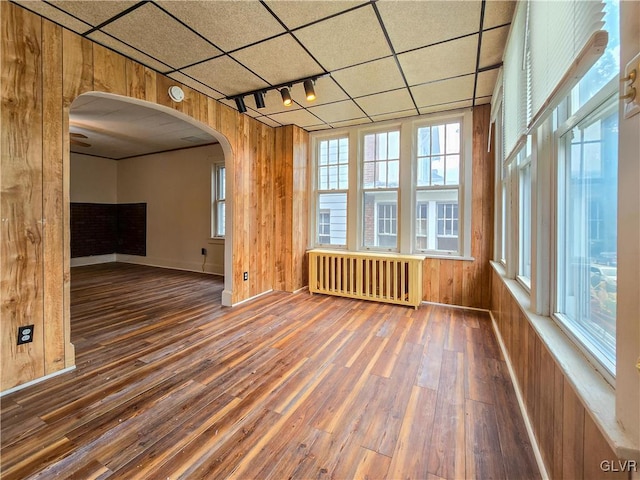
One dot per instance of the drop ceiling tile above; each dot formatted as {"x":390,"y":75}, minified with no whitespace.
{"x":493,"y":42}
{"x":337,"y":112}
{"x":342,"y":41}
{"x":372,"y":77}
{"x":226,"y":76}
{"x":228,"y":24}
{"x":387,"y":102}
{"x":297,"y":13}
{"x":93,"y":12}
{"x":445,"y":107}
{"x":327,"y":91}
{"x":416,"y":24}
{"x":55,"y":15}
{"x":445,"y":60}
{"x":268,"y":121}
{"x":498,"y":12}
{"x":444,"y":91}
{"x":483,"y":100}
{"x":300,"y":117}
{"x":278,"y":60}
{"x":316,"y":128}
{"x":390,"y":116}
{"x":168,"y":40}
{"x":190,"y":82}
{"x":115,"y":44}
{"x":348,"y":123}
{"x":486,"y":82}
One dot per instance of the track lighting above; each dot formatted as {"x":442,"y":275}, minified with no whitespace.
{"x":309,"y":90}
{"x":283,"y":88}
{"x":259,"y":98}
{"x":240,"y":104}
{"x":286,"y":97}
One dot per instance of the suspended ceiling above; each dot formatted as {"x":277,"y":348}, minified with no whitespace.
{"x":382,"y":59}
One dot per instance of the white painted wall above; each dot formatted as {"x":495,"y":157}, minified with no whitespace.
{"x":93,"y":179}
{"x":176,"y":187}
{"x":628,"y":309}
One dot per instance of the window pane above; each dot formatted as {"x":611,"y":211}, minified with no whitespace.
{"x":437,"y":171}
{"x":588,"y":233}
{"x":453,"y":138}
{"x":424,"y":165}
{"x":381,"y":150}
{"x":344,"y":177}
{"x":437,"y":139}
{"x":380,"y":210}
{"x":323,"y":153}
{"x":453,"y":169}
{"x":332,"y":218}
{"x":525,"y":222}
{"x":424,"y":141}
{"x":323,"y":178}
{"x":394,"y":145}
{"x":393,"y":170}
{"x":220,"y":219}
{"x":437,"y":222}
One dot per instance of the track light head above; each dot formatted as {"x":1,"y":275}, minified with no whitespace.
{"x":286,"y":97}
{"x":240,"y":104}
{"x":309,"y":90}
{"x":259,"y":98}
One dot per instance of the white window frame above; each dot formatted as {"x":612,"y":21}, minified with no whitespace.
{"x":217,"y":224}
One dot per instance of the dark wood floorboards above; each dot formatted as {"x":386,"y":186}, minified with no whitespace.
{"x":169,"y":384}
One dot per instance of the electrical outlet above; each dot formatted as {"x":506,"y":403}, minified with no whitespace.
{"x":204,"y":251}
{"x":25,"y":334}
{"x":245,"y":276}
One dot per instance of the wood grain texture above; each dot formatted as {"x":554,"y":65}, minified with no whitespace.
{"x":283,"y":386}
{"x":570,"y":443}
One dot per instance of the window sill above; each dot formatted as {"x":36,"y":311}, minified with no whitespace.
{"x":463,"y":258}
{"x":216,"y":241}
{"x":595,"y":393}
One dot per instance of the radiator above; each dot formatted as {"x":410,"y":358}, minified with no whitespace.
{"x":382,"y":277}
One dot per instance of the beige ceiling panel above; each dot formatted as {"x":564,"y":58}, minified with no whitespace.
{"x":93,"y":12}
{"x":345,"y":40}
{"x":445,"y":107}
{"x":493,"y":42}
{"x":391,"y":116}
{"x":337,"y":112}
{"x":416,"y":24}
{"x":300,"y":117}
{"x":316,"y":128}
{"x":52,"y":13}
{"x":483,"y":100}
{"x":387,"y":102}
{"x":349,"y":123}
{"x":278,"y":60}
{"x":228,"y":24}
{"x":445,"y":91}
{"x":268,"y":121}
{"x":297,"y":13}
{"x":444,"y":60}
{"x":226,"y":76}
{"x":486,"y":82}
{"x":371,"y":77}
{"x":168,"y":40}
{"x":498,"y":12}
{"x":190,"y":82}
{"x":108,"y":41}
{"x":327,"y":91}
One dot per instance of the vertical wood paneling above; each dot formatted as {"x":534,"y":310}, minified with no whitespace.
{"x":571,"y":444}
{"x":53,"y":199}
{"x":21,"y":195}
{"x":468,"y":283}
{"x":136,"y":80}
{"x":300,"y":216}
{"x":109,"y":71}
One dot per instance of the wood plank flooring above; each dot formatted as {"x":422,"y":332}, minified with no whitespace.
{"x":169,"y":384}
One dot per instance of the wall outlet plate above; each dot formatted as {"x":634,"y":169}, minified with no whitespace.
{"x":245,"y":276}
{"x":204,"y":251}
{"x":25,"y":334}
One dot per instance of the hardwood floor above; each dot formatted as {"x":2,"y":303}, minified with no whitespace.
{"x":169,"y":384}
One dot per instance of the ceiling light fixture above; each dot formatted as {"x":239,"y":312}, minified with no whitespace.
{"x":240,"y":104}
{"x":259,"y":98}
{"x":286,"y":97}
{"x":283,"y":88}
{"x":309,"y":91}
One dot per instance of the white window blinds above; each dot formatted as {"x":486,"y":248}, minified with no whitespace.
{"x":515,"y":83}
{"x":565,"y":40}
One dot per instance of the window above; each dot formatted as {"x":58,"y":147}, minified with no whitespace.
{"x":219,"y":193}
{"x":380,"y":182}
{"x":587,"y":231}
{"x":332,"y":185}
{"x":524,"y":213}
{"x":437,"y":185}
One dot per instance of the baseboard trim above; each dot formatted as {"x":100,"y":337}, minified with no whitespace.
{"x":523,"y":410}
{"x":37,"y":380}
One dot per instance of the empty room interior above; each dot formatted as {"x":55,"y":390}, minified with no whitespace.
{"x":320,"y":239}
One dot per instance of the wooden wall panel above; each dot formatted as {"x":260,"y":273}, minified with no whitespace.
{"x":35,"y":172}
{"x":468,"y":283}
{"x":570,"y":443}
